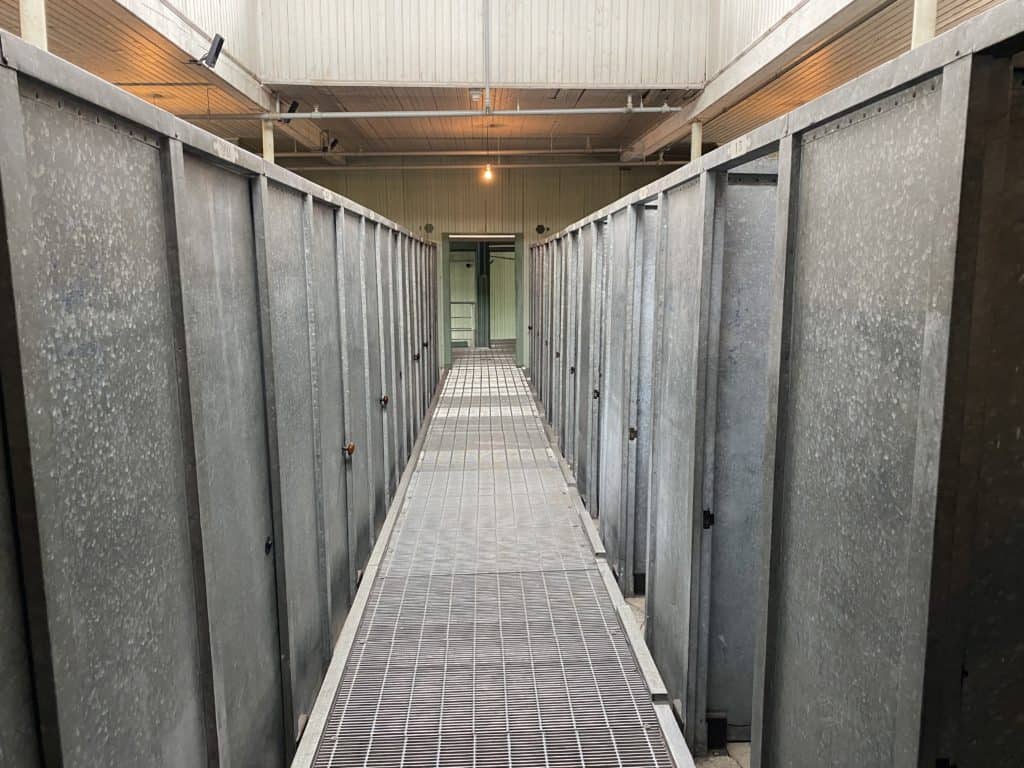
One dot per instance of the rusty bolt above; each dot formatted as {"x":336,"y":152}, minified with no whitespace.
{"x":350,"y":448}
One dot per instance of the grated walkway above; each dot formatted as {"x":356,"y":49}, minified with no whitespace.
{"x":489,"y":638}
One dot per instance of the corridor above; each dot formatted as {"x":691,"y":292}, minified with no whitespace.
{"x":489,"y":637}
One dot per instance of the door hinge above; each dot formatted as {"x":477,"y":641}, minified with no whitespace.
{"x":572,"y":370}
{"x":709,"y":519}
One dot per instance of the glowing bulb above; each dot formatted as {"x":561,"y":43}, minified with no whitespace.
{"x":488,"y":174}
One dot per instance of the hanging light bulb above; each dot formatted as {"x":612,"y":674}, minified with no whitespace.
{"x":488,"y":174}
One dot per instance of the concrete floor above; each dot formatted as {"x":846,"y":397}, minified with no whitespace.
{"x":737,"y":755}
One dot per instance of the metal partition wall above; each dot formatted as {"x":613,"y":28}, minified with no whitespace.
{"x":614,"y":426}
{"x":194,"y":351}
{"x":833,"y":467}
{"x":569,"y":348}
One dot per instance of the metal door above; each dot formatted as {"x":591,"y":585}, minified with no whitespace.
{"x":615,"y":426}
{"x":641,"y":367}
{"x":673,"y":579}
{"x":584,"y":365}
{"x":738,"y":344}
{"x":359,"y":480}
{"x":222,"y":326}
{"x":570,"y":347}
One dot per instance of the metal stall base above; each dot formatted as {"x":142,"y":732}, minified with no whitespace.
{"x":489,"y":633}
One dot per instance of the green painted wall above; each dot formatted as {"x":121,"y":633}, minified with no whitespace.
{"x":503,"y":296}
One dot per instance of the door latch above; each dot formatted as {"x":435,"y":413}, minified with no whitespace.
{"x":384,"y":401}
{"x":416,"y":357}
{"x":558,"y":355}
{"x":349,"y":449}
{"x":572,"y":370}
{"x":597,"y":394}
{"x":632,"y":433}
{"x":709,"y":519}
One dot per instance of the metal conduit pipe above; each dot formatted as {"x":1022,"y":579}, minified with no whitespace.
{"x":413,"y":113}
{"x":478,"y":166}
{"x":458,"y":152}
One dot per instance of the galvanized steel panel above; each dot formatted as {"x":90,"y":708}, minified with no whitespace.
{"x":335,"y":524}
{"x":672,"y":586}
{"x":97,"y":345}
{"x":744,"y":243}
{"x":614,"y":395}
{"x":358,"y":478}
{"x":393,"y":465}
{"x":401,"y":343}
{"x":584,"y":362}
{"x":19,"y":737}
{"x":557,"y":320}
{"x":592,"y":493}
{"x":645,"y":315}
{"x":415,"y":346}
{"x":218,"y":271}
{"x":845,"y":526}
{"x":300,"y":506}
{"x":570,"y":348}
{"x":374,"y":438}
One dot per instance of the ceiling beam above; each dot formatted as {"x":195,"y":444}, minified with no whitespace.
{"x":800,"y":33}
{"x":229,"y":73}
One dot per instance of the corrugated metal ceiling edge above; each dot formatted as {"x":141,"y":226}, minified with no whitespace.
{"x":983,"y":31}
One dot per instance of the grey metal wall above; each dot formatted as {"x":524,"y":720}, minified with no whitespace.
{"x":190,"y":339}
{"x":833,"y":472}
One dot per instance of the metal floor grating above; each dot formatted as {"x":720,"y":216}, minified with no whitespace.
{"x":489,"y":638}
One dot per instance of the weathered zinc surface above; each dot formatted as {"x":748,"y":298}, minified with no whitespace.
{"x":674,"y":588}
{"x":740,"y":312}
{"x":222,"y":327}
{"x":614,"y":390}
{"x":174,"y":409}
{"x":835,"y":474}
{"x":97,"y":337}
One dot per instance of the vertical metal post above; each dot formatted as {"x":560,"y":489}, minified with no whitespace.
{"x":267,"y":133}
{"x":697,"y":139}
{"x":924,"y":22}
{"x":348,"y":406}
{"x":15,"y":244}
{"x":369,"y":401}
{"x":381,"y":331}
{"x":33,"y":22}
{"x":775,"y":394}
{"x":323,"y":586}
{"x":172,"y":160}
{"x":260,"y":193}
